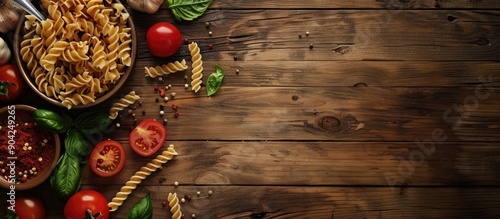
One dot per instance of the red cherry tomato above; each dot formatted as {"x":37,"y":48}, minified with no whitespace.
{"x":107,"y":158}
{"x":163,"y":39}
{"x":84,"y":200}
{"x":29,"y":207}
{"x":12,"y":85}
{"x":148,"y":137}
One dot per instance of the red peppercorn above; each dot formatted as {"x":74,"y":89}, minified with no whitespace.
{"x":175,"y":107}
{"x":162,"y":92}
{"x":134,"y":107}
{"x":176,"y":114}
{"x":210,"y":46}
{"x":183,"y":216}
{"x":156,"y":87}
{"x":131,"y":128}
{"x":135,"y":120}
{"x":164,"y":204}
{"x":186,"y":40}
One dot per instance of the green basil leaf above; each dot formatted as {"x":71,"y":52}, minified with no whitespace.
{"x":11,"y":214}
{"x":142,"y":210}
{"x":76,"y":145}
{"x":66,"y":177}
{"x":188,"y":10}
{"x":92,"y":122}
{"x":52,"y":121}
{"x":215,"y":80}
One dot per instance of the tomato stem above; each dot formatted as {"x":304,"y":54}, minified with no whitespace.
{"x":4,"y":88}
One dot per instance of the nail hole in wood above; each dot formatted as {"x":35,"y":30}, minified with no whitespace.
{"x":295,"y":97}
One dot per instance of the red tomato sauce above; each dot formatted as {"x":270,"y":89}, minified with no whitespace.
{"x":34,"y":150}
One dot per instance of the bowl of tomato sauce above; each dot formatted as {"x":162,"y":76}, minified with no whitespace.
{"x":28,"y":153}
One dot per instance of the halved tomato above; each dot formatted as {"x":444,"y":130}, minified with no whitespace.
{"x":107,"y":158}
{"x":148,"y":137}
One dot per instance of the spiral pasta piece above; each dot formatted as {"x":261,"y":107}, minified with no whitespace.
{"x":175,"y":208}
{"x":137,"y":178}
{"x":169,"y":68}
{"x":197,"y":67}
{"x":127,"y":100}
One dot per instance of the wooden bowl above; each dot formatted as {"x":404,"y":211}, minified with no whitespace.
{"x":26,"y":73}
{"x":23,"y":114}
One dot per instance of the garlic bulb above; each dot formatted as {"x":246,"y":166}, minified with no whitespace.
{"x":4,"y":52}
{"x":9,"y":15}
{"x":148,"y":6}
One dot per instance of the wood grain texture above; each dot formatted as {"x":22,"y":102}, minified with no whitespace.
{"x":228,"y":202}
{"x":387,"y":109}
{"x":422,"y":163}
{"x":403,"y":35}
{"x":338,"y":73}
{"x":324,"y":113}
{"x":379,"y":4}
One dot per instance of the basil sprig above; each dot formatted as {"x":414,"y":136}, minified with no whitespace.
{"x":188,"y":10}
{"x":66,"y":177}
{"x":142,"y":210}
{"x":215,"y":80}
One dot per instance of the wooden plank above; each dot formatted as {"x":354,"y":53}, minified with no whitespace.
{"x":341,"y":4}
{"x":273,"y":35}
{"x":324,"y":113}
{"x":422,"y":163}
{"x":228,"y":202}
{"x":335,"y":73}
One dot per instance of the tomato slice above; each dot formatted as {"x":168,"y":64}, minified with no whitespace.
{"x":148,"y":137}
{"x":107,"y":158}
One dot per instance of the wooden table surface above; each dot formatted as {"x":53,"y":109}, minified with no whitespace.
{"x":393,"y":112}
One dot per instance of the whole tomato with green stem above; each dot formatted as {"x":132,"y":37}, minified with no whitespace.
{"x":86,"y":201}
{"x":12,"y":85}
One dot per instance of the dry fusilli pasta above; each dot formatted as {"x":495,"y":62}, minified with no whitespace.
{"x":197,"y":67}
{"x":165,"y":69}
{"x":137,"y":178}
{"x":127,"y":100}
{"x":175,"y":208}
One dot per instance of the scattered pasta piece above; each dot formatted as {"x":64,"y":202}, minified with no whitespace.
{"x":165,"y":69}
{"x":175,"y":208}
{"x":123,"y":102}
{"x":197,"y":67}
{"x":137,"y":178}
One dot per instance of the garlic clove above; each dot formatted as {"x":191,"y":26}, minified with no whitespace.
{"x":148,"y":6}
{"x":5,"y":53}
